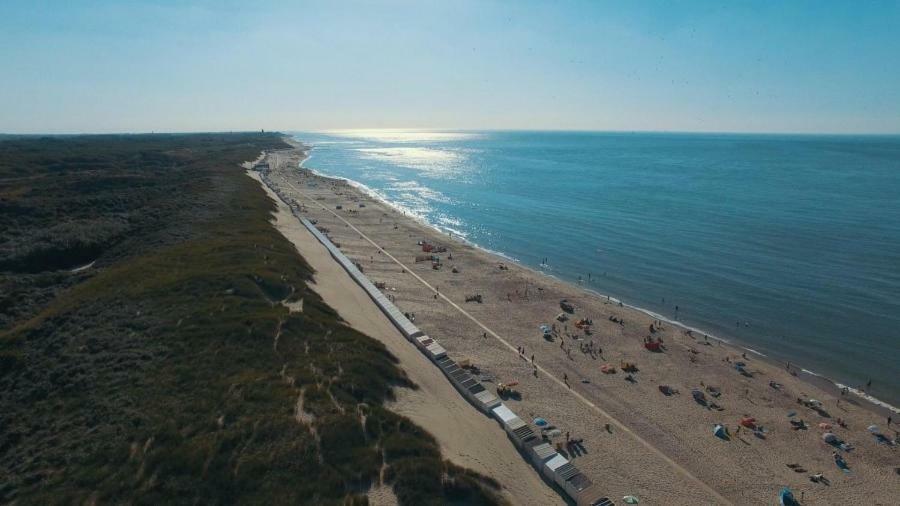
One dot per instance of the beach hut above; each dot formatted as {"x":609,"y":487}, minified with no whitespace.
{"x":576,"y":484}
{"x":550,"y":467}
{"x":514,"y":426}
{"x":524,"y":436}
{"x":449,"y":367}
{"x":541,"y":453}
{"x":486,"y":401}
{"x":436,"y":351}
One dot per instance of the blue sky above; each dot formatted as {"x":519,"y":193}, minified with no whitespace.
{"x":80,"y":66}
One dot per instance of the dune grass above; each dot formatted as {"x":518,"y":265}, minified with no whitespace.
{"x":170,"y":371}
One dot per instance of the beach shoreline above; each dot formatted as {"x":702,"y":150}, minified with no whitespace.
{"x":665,"y":435}
{"x":820,"y":380}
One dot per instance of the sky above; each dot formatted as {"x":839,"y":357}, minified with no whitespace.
{"x":73,"y":66}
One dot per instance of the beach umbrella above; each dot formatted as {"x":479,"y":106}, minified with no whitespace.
{"x":540,"y":422}
{"x":630,"y":499}
{"x":829,"y":438}
{"x":873,"y":429}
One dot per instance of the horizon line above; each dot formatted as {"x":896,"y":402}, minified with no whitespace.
{"x":462,"y":130}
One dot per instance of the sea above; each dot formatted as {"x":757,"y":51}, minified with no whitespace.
{"x":788,"y":245}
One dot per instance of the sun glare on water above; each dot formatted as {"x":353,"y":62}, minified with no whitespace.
{"x":402,"y":135}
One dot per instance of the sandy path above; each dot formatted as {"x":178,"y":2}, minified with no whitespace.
{"x":467,"y":437}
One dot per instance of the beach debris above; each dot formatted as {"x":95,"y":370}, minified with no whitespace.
{"x":628,"y":366}
{"x":741,"y":368}
{"x":832,"y":439}
{"x":567,"y":306}
{"x":798,"y":425}
{"x":653,"y":345}
{"x":608,"y":369}
{"x":776,"y":386}
{"x":584,"y":323}
{"x":825,"y":426}
{"x":713,"y":391}
{"x":562,"y":317}
{"x":474,"y":298}
{"x":547,"y":332}
{"x":819,"y":478}
{"x":506,"y":390}
{"x":721,"y":432}
{"x":699,"y":397}
{"x":667,"y":390}
{"x":841,"y":463}
{"x":549,"y":433}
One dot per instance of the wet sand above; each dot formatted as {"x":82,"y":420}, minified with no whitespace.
{"x":659,"y":448}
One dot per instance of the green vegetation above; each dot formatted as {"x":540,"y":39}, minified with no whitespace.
{"x":170,"y":371}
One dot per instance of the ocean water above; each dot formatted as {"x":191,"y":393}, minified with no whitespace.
{"x":789,"y":245}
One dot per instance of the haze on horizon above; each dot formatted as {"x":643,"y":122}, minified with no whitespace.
{"x":106,"y":66}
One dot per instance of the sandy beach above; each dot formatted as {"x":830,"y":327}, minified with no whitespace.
{"x":636,"y":440}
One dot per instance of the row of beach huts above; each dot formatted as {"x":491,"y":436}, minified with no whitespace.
{"x":553,"y":466}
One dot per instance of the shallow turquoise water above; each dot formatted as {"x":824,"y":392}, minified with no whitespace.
{"x":789,"y":245}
